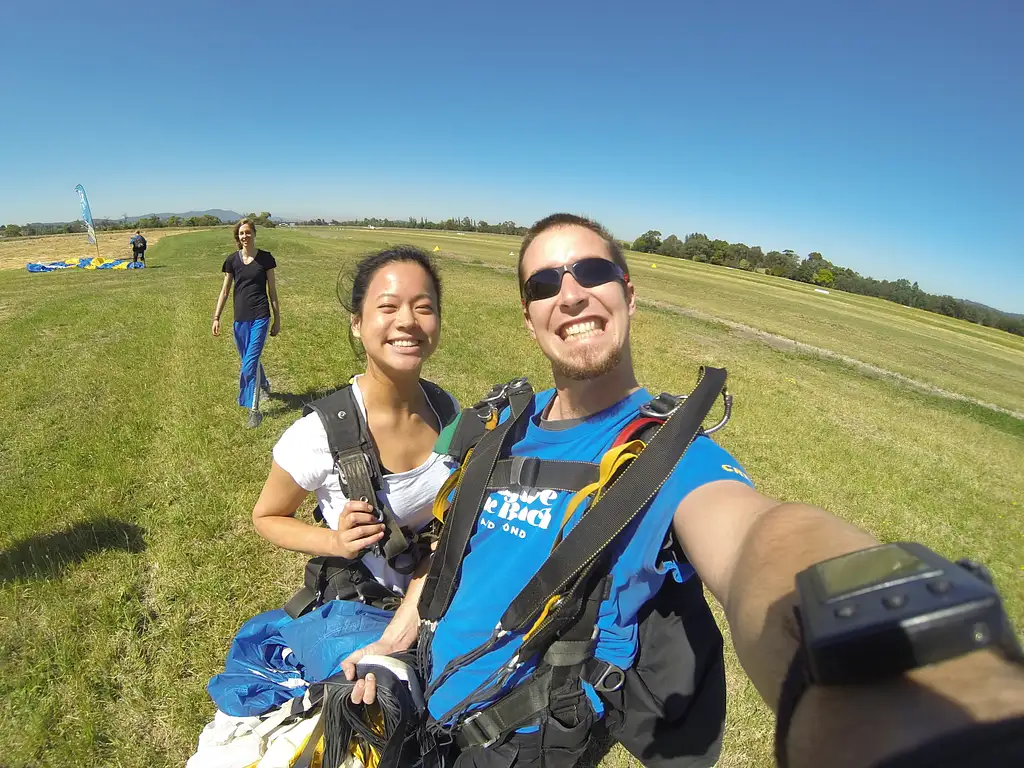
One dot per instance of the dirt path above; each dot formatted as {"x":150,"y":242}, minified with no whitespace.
{"x":790,"y":345}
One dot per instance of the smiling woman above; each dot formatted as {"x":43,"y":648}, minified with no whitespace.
{"x":375,"y":494}
{"x":394,"y":301}
{"x":395,"y":323}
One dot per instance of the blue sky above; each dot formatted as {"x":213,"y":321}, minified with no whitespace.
{"x":886,"y":135}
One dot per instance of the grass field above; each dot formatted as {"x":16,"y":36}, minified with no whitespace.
{"x":128,"y":559}
{"x":16,"y":252}
{"x":982,"y":363}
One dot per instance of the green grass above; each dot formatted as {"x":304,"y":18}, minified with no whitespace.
{"x":981,"y":363}
{"x":128,"y":560}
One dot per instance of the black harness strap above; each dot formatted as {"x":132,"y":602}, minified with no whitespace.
{"x":629,"y":493}
{"x":568,"y":659}
{"x":440,"y":401}
{"x":531,"y":472}
{"x":355,"y":456}
{"x":356,"y":460}
{"x":577,"y":571}
{"x":302,"y":602}
{"x":439,"y":586}
{"x":337,"y":578}
{"x":305,"y":758}
{"x":526,"y":702}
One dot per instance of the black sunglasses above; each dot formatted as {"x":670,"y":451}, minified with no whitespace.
{"x":589,"y":273}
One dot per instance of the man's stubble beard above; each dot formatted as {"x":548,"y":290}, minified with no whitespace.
{"x":587,"y":368}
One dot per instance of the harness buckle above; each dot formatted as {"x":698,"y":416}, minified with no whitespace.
{"x":524,"y":472}
{"x":497,"y":397}
{"x":663,"y":406}
{"x":517,"y":385}
{"x":474,"y":735}
{"x":616,"y":675}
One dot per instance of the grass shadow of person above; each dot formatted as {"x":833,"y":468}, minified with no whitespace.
{"x":296,"y":402}
{"x":49,"y":555}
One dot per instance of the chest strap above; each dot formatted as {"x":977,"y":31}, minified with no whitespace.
{"x":356,"y":461}
{"x":520,"y":472}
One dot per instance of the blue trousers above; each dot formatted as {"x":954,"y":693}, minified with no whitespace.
{"x":250,"y":336}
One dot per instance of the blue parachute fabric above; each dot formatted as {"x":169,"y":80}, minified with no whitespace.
{"x":274,"y":658}
{"x":53,"y":266}
{"x":83,"y":263}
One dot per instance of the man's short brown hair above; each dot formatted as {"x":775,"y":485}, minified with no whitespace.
{"x":571,"y":220}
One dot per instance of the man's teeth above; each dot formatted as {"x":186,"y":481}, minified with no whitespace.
{"x":405,"y":343}
{"x":579,"y":329}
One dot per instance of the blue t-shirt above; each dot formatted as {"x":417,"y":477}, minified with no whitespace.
{"x":515,"y":532}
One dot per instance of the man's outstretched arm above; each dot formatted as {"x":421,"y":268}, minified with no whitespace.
{"x":747,"y":549}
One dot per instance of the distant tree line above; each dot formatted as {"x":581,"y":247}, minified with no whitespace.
{"x":146,"y":222}
{"x":465,"y":224}
{"x":814,"y":269}
{"x":817,"y":270}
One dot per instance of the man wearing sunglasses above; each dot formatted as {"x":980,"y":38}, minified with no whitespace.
{"x":653,"y":622}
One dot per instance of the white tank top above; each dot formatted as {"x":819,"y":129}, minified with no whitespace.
{"x":304,"y":453}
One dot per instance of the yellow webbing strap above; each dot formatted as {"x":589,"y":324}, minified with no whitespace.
{"x":441,"y":502}
{"x":548,"y":607}
{"x":612,"y":461}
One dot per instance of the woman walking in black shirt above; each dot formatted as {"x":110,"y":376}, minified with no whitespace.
{"x":252,"y":272}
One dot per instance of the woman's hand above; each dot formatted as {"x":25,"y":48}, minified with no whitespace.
{"x":358,"y":529}
{"x":216,"y":326}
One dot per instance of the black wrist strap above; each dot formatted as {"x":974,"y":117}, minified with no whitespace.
{"x":796,"y":683}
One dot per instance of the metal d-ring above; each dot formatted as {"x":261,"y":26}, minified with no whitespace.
{"x":615,"y":675}
{"x":727,"y":399}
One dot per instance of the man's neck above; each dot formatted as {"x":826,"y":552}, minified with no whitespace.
{"x":579,"y":399}
{"x":384,"y":392}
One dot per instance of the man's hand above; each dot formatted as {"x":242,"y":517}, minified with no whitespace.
{"x":216,"y":327}
{"x":365,"y":691}
{"x":399,"y":635}
{"x":275,"y":328}
{"x":358,"y":529}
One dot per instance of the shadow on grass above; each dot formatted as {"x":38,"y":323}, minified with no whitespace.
{"x":49,"y":555}
{"x":296,"y":402}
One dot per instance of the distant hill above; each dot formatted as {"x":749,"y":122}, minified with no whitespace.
{"x":218,"y":212}
{"x":987,"y":308}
